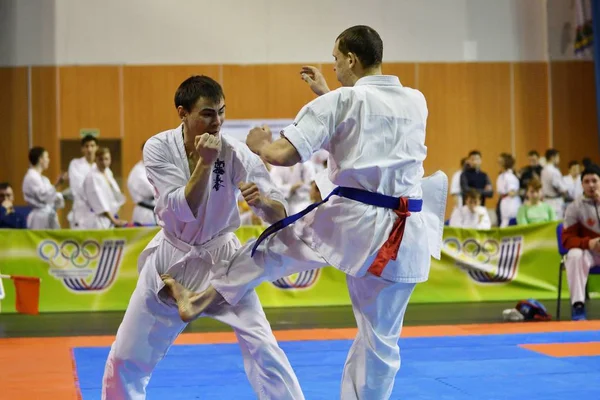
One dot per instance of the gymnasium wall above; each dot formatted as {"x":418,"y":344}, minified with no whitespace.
{"x":493,"y":71}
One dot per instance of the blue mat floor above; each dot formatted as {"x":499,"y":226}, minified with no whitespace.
{"x":486,"y":367}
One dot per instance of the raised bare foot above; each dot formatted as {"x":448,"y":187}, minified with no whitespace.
{"x":190,"y":304}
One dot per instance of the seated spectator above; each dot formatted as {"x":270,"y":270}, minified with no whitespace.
{"x":535,"y":210}
{"x":9,"y":218}
{"x":474,"y":178}
{"x":471,"y":215}
{"x":581,"y":236}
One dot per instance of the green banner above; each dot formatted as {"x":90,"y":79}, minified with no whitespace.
{"x":97,"y":270}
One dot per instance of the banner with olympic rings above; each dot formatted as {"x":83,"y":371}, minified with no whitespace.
{"x":97,"y":270}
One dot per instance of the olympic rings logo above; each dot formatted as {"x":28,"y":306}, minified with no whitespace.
{"x":302,"y":280}
{"x":69,"y":253}
{"x":471,"y":248}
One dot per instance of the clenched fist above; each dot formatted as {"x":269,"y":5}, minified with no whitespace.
{"x":207,"y":147}
{"x":258,"y":138}
{"x":251,"y":194}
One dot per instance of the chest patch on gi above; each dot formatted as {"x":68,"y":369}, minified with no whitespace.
{"x":590,"y":222}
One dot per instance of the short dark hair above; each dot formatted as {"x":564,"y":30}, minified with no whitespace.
{"x":592,"y":170}
{"x":508,"y":160}
{"x":573,"y":162}
{"x":35,"y":153}
{"x":587,"y":162}
{"x":474,"y":153}
{"x":472,"y":194}
{"x":101,"y":151}
{"x":533,"y":153}
{"x":88,"y":138}
{"x":550,"y":153}
{"x":197,"y":86}
{"x":4,"y":185}
{"x":534,"y":183}
{"x":463,"y":161}
{"x":364,"y":42}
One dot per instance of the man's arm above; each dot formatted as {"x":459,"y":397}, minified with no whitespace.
{"x":207,"y":148}
{"x":271,"y":210}
{"x":488,"y":191}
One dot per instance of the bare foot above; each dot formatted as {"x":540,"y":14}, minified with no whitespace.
{"x":191,"y":304}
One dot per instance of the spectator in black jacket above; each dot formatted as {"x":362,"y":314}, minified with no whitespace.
{"x":474,"y":178}
{"x":8,"y":217}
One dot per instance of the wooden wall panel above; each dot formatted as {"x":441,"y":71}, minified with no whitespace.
{"x":149,"y":108}
{"x":14,"y":128}
{"x":469,"y":108}
{"x":406,"y":72}
{"x":287,"y":93}
{"x":246,"y":91}
{"x":90,"y":97}
{"x":532,"y":122}
{"x":44,"y":115}
{"x":575,"y":122}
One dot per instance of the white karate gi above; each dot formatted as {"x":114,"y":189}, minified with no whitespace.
{"x":455,"y":189}
{"x":78,"y":170}
{"x":141,"y":191}
{"x":375,"y":134}
{"x":43,"y":197}
{"x":463,"y":218}
{"x":509,"y":205}
{"x":552,"y":188}
{"x":286,"y":177}
{"x":100,"y":193}
{"x":573,"y":185}
{"x":189,"y":247}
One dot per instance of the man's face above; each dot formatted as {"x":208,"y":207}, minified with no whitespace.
{"x":89,"y":150}
{"x":103,"y":161}
{"x":591,"y":184}
{"x":45,"y":160}
{"x":472,"y":203}
{"x":575,"y":170}
{"x":534,"y":160}
{"x":7,"y":194}
{"x":205,"y":117}
{"x":475,"y":161}
{"x":341,"y":66}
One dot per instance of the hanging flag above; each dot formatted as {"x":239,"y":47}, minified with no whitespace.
{"x":583,"y":27}
{"x":28,"y":294}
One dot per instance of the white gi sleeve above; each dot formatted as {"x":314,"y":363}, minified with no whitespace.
{"x":314,"y":125}
{"x":168,"y":181}
{"x":37,"y":191}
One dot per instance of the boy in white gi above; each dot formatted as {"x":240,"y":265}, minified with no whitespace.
{"x":197,"y":175}
{"x":78,"y":170}
{"x":101,"y":195}
{"x":142,"y":194}
{"x":39,"y":193}
{"x":374,"y":130}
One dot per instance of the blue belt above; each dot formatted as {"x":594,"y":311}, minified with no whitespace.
{"x":362,"y":196}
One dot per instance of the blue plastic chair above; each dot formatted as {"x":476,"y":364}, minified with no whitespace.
{"x":563,"y":254}
{"x":512,"y":222}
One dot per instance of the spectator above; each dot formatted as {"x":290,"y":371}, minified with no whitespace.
{"x":553,"y":187}
{"x":40,"y":194}
{"x":535,"y":210}
{"x":142,"y":194}
{"x":473,"y":178}
{"x":581,"y":236}
{"x":102,"y":195}
{"x":472,"y":215}
{"x":572,"y":181}
{"x":507,"y":186}
{"x":533,"y":170}
{"x":455,"y":191}
{"x":9,"y":218}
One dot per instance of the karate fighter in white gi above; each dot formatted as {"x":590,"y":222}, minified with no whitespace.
{"x":79,"y":168}
{"x":39,"y":193}
{"x":142,"y":194}
{"x":374,"y":130}
{"x":197,"y":175}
